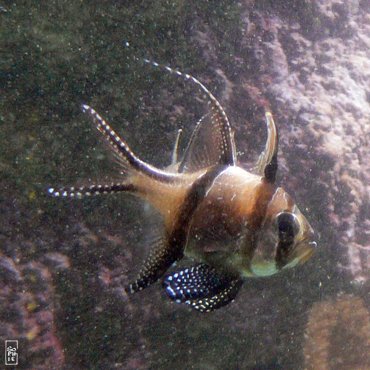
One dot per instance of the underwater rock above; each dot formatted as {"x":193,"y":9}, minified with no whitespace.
{"x":311,"y":65}
{"x":27,"y":311}
{"x":337,"y":335}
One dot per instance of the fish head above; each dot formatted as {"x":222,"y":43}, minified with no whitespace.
{"x":285,"y":238}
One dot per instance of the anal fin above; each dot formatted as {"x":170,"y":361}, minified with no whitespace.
{"x":160,"y":258}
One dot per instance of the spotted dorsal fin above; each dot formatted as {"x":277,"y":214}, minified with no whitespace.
{"x":216,"y":124}
{"x":267,"y":163}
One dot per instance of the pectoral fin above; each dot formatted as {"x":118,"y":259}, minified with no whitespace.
{"x":201,"y":287}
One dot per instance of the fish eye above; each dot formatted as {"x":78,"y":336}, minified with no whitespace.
{"x":287,"y":225}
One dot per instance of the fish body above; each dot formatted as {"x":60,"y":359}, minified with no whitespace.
{"x":234,"y":227}
{"x":234,"y":224}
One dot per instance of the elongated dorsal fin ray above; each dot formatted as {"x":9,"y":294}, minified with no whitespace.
{"x":267,"y":163}
{"x":218,"y":116}
{"x":90,"y":190}
{"x":130,"y":162}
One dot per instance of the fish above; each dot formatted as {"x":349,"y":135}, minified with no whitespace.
{"x":231,"y":223}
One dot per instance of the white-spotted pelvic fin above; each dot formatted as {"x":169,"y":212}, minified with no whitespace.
{"x":267,"y":163}
{"x":201,"y":287}
{"x":220,"y":299}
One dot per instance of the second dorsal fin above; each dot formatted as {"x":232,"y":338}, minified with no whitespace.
{"x":212,"y":142}
{"x":206,"y":147}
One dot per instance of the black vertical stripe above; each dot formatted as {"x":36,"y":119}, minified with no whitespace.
{"x":271,"y":169}
{"x":173,"y":247}
{"x":177,"y":239}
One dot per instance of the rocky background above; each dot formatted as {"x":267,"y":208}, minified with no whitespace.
{"x":63,"y":264}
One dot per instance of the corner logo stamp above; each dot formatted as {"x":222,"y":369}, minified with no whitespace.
{"x":11,"y":352}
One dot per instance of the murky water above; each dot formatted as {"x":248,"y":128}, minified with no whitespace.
{"x":64,"y":263}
